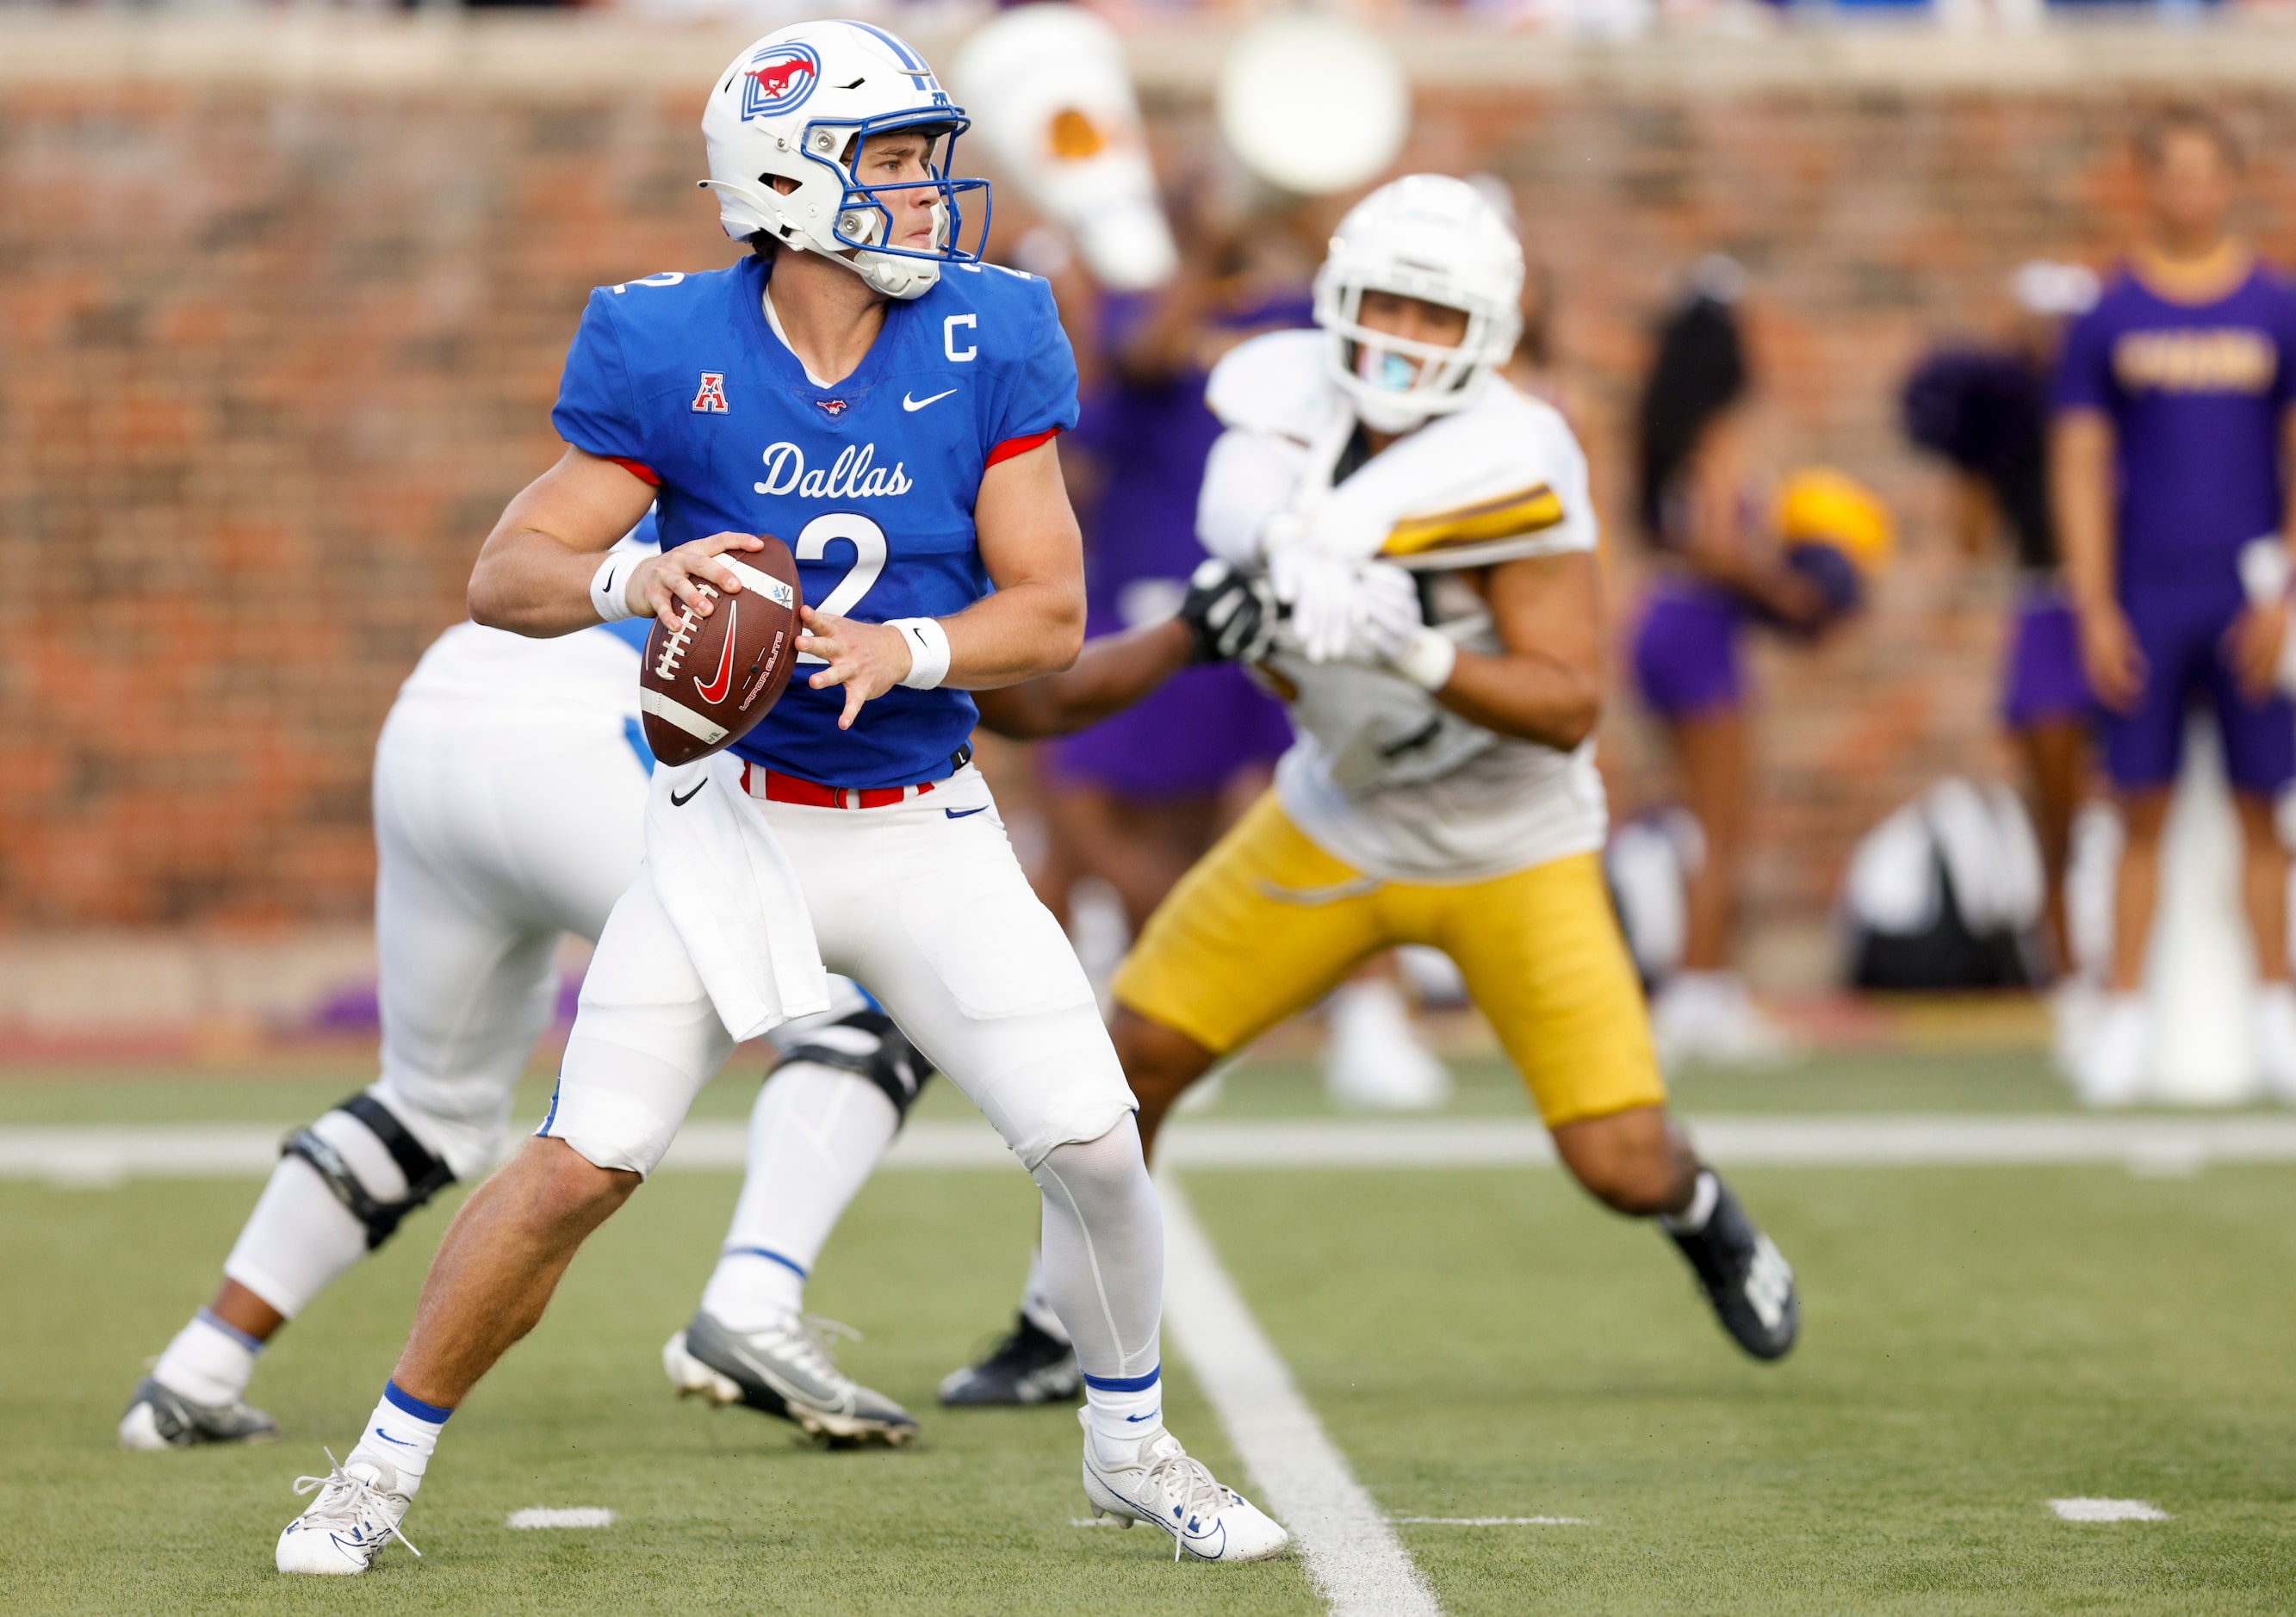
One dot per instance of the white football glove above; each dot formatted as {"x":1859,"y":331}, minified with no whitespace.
{"x":1321,"y":590}
{"x":1388,"y":603}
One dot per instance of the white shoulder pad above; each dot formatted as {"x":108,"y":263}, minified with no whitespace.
{"x":1272,"y":383}
{"x":1501,"y":479}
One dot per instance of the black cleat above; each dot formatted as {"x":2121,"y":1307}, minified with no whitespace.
{"x":1029,"y":1366}
{"x":1746,"y":1279}
{"x":158,"y":1419}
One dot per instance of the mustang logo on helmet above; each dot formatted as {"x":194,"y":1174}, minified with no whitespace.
{"x":780,"y":77}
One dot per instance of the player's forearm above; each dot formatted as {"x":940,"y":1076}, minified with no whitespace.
{"x":1532,"y":697}
{"x":1110,"y":673}
{"x":2080,"y":498}
{"x":1028,"y":628}
{"x":531,"y":583}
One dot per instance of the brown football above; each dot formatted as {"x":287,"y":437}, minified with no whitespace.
{"x":703,"y":686}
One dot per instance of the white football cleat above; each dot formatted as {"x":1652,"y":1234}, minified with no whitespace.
{"x":2275,"y":1039}
{"x":1709,"y":1017}
{"x":357,"y":1512}
{"x":2116,"y":1060}
{"x":1158,"y":1483}
{"x":1374,"y":1062}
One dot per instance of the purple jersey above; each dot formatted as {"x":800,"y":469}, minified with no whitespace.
{"x":2195,"y":392}
{"x":1150,"y":441}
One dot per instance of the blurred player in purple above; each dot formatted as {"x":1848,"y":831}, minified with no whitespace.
{"x":1722,"y":567}
{"x":1136,"y":800}
{"x":1985,"y":412}
{"x":2172,"y":418}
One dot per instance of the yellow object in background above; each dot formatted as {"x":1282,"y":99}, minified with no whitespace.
{"x":1819,"y":505}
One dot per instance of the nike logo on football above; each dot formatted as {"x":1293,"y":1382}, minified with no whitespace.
{"x":967,"y":814}
{"x":677,"y":802}
{"x":915,"y":405}
{"x":386,"y":1438}
{"x":715,"y":690}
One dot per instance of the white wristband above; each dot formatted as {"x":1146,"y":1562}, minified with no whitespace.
{"x":610,"y":586}
{"x":1429,"y":660}
{"x":928,"y":650}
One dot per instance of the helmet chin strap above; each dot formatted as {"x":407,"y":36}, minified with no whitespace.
{"x":892,"y":277}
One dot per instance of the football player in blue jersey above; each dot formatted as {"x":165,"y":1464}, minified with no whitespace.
{"x":866,"y":386}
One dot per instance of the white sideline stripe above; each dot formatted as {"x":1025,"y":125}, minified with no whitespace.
{"x":2109,"y":1510}
{"x":1352,"y":1554}
{"x":2150,"y":1145}
{"x":571,"y":1516}
{"x":1491,"y":1520}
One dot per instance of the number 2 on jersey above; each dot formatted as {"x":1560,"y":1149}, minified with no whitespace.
{"x":868,"y":542}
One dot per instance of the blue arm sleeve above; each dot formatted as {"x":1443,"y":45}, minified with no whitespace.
{"x":594,"y":411}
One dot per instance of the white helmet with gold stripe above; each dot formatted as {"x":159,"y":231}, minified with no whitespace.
{"x":1436,"y":239}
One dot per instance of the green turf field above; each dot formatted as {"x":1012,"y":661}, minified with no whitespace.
{"x":1478,"y":1342}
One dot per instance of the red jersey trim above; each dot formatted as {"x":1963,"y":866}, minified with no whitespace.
{"x":1009,"y":447}
{"x":639,"y":469}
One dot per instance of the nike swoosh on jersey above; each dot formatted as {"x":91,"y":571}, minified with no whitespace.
{"x":715,"y":690}
{"x":965,"y":813}
{"x":915,"y":405}
{"x":677,"y":802}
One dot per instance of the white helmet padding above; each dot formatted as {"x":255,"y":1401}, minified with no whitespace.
{"x":1436,"y":239}
{"x":797,"y":105}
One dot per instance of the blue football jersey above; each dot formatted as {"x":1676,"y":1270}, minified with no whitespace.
{"x":870,"y":483}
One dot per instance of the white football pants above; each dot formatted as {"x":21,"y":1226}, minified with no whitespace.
{"x":499,"y":825}
{"x":923,"y":903}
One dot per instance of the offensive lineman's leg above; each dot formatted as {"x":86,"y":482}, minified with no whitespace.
{"x":646,"y":1041}
{"x":467,"y":982}
{"x":827,"y":1111}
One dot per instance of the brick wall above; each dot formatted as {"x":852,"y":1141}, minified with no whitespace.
{"x":277,"y":342}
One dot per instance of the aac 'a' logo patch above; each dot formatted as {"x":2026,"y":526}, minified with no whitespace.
{"x":832,"y":407}
{"x":710,"y":397}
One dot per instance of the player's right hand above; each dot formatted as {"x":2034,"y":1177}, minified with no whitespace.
{"x":664,"y":586}
{"x":2110,"y":656}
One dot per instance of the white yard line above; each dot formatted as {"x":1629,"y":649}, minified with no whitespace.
{"x":1351,"y":1553}
{"x":2151,"y":1144}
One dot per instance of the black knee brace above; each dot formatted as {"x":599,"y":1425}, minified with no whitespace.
{"x":426,"y":1175}
{"x":867,"y":1045}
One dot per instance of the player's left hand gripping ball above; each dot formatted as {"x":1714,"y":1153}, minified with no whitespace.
{"x":707,"y":681}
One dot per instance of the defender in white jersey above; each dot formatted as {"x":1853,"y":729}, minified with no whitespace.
{"x":849,"y":828}
{"x":1430,"y":530}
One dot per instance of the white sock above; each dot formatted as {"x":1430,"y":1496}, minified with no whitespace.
{"x":208,"y":1362}
{"x":1124,"y":1411}
{"x":403,"y":1432}
{"x":1037,"y":1302}
{"x":1693,"y":1219}
{"x":300,"y":1237}
{"x":816,"y":1135}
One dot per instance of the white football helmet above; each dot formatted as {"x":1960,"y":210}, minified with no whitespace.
{"x":798,"y":104}
{"x":1432,"y":237}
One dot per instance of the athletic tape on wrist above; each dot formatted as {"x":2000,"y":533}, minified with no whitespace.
{"x":928,"y":652}
{"x":610,"y":587}
{"x":1429,"y":662}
